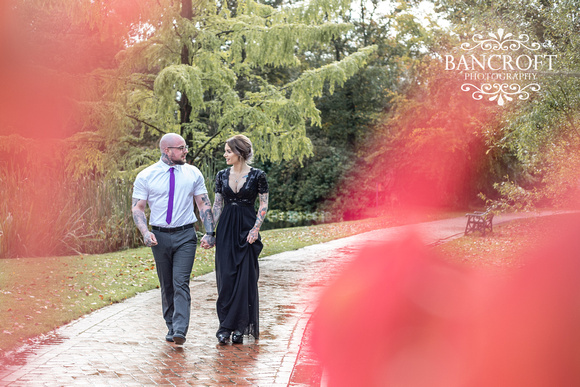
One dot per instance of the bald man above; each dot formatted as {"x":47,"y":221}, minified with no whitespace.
{"x":170,"y":187}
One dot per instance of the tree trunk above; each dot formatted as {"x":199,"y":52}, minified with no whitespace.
{"x":184,"y":105}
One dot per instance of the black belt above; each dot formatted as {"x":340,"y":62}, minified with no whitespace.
{"x":163,"y":229}
{"x":240,"y":204}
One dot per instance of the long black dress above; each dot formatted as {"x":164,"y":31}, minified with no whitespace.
{"x":236,"y":260}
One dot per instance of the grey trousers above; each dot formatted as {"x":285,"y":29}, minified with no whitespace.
{"x":174,"y":255}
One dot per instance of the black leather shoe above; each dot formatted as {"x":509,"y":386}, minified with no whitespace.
{"x":223,"y":338}
{"x":169,"y":336}
{"x":178,"y":338}
{"x":237,"y":338}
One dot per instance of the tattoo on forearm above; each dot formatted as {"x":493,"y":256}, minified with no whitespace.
{"x":140,"y":221}
{"x":218,"y":205}
{"x":207,"y":219}
{"x":206,"y":201}
{"x":261,"y":215}
{"x":204,"y":206}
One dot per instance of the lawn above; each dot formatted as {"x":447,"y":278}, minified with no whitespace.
{"x":508,"y":246}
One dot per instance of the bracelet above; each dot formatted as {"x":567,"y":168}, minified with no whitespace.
{"x":210,"y":234}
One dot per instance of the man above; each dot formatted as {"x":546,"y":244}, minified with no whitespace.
{"x":170,"y":187}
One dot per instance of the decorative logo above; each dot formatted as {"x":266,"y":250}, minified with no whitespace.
{"x":501,"y":57}
{"x":500,"y":42}
{"x":500,"y":91}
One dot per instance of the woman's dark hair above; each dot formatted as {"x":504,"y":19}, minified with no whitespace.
{"x":241,"y":146}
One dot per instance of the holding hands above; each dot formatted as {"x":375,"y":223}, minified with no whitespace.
{"x":208,"y":241}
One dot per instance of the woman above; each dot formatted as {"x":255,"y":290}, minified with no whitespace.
{"x":238,"y":243}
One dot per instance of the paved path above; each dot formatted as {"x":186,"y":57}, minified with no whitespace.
{"x":124,"y":344}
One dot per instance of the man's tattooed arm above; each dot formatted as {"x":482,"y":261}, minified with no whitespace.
{"x":260,"y":216}
{"x":204,"y":206}
{"x":139,"y":216}
{"x":218,"y":206}
{"x":138,"y":210}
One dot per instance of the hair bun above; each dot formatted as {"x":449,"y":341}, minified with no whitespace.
{"x":242,"y":146}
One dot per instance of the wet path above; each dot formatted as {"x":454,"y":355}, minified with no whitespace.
{"x":124,"y":344}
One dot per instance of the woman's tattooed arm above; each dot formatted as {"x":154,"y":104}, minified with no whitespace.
{"x":262,"y":210}
{"x":218,"y":206}
{"x":260,"y":216}
{"x":204,"y":206}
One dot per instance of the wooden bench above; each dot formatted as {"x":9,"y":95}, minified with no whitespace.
{"x":479,"y":221}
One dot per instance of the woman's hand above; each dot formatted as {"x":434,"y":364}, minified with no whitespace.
{"x":253,"y":235}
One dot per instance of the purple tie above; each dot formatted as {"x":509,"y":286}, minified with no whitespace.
{"x":171,"y":193}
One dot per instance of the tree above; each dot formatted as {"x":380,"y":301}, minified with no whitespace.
{"x":348,"y":115}
{"x":55,"y":198}
{"x":201,"y":73}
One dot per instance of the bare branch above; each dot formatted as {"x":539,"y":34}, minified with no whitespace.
{"x":199,"y":150}
{"x":146,"y":123}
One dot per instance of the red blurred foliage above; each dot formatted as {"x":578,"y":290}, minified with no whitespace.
{"x":428,"y":152}
{"x":33,"y":98}
{"x":50,"y":67}
{"x":35,"y":104}
{"x":400,"y":316}
{"x":526,"y":333}
{"x":46,"y":59}
{"x":394,"y":318}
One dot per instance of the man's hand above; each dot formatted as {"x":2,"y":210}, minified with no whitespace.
{"x":150,"y":239}
{"x":138,"y":210}
{"x":207,"y":242}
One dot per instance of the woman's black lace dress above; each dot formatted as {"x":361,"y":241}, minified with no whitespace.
{"x":236,"y":260}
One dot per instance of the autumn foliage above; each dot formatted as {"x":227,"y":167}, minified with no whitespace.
{"x":430,"y":150}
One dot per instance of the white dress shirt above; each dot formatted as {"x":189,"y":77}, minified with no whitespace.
{"x":152,"y":184}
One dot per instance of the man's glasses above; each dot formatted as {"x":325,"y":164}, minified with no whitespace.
{"x":181,"y":148}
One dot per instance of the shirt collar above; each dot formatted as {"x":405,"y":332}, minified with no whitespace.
{"x":166,"y":167}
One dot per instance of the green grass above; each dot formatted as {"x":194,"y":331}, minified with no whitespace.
{"x":39,"y":294}
{"x":508,"y":247}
